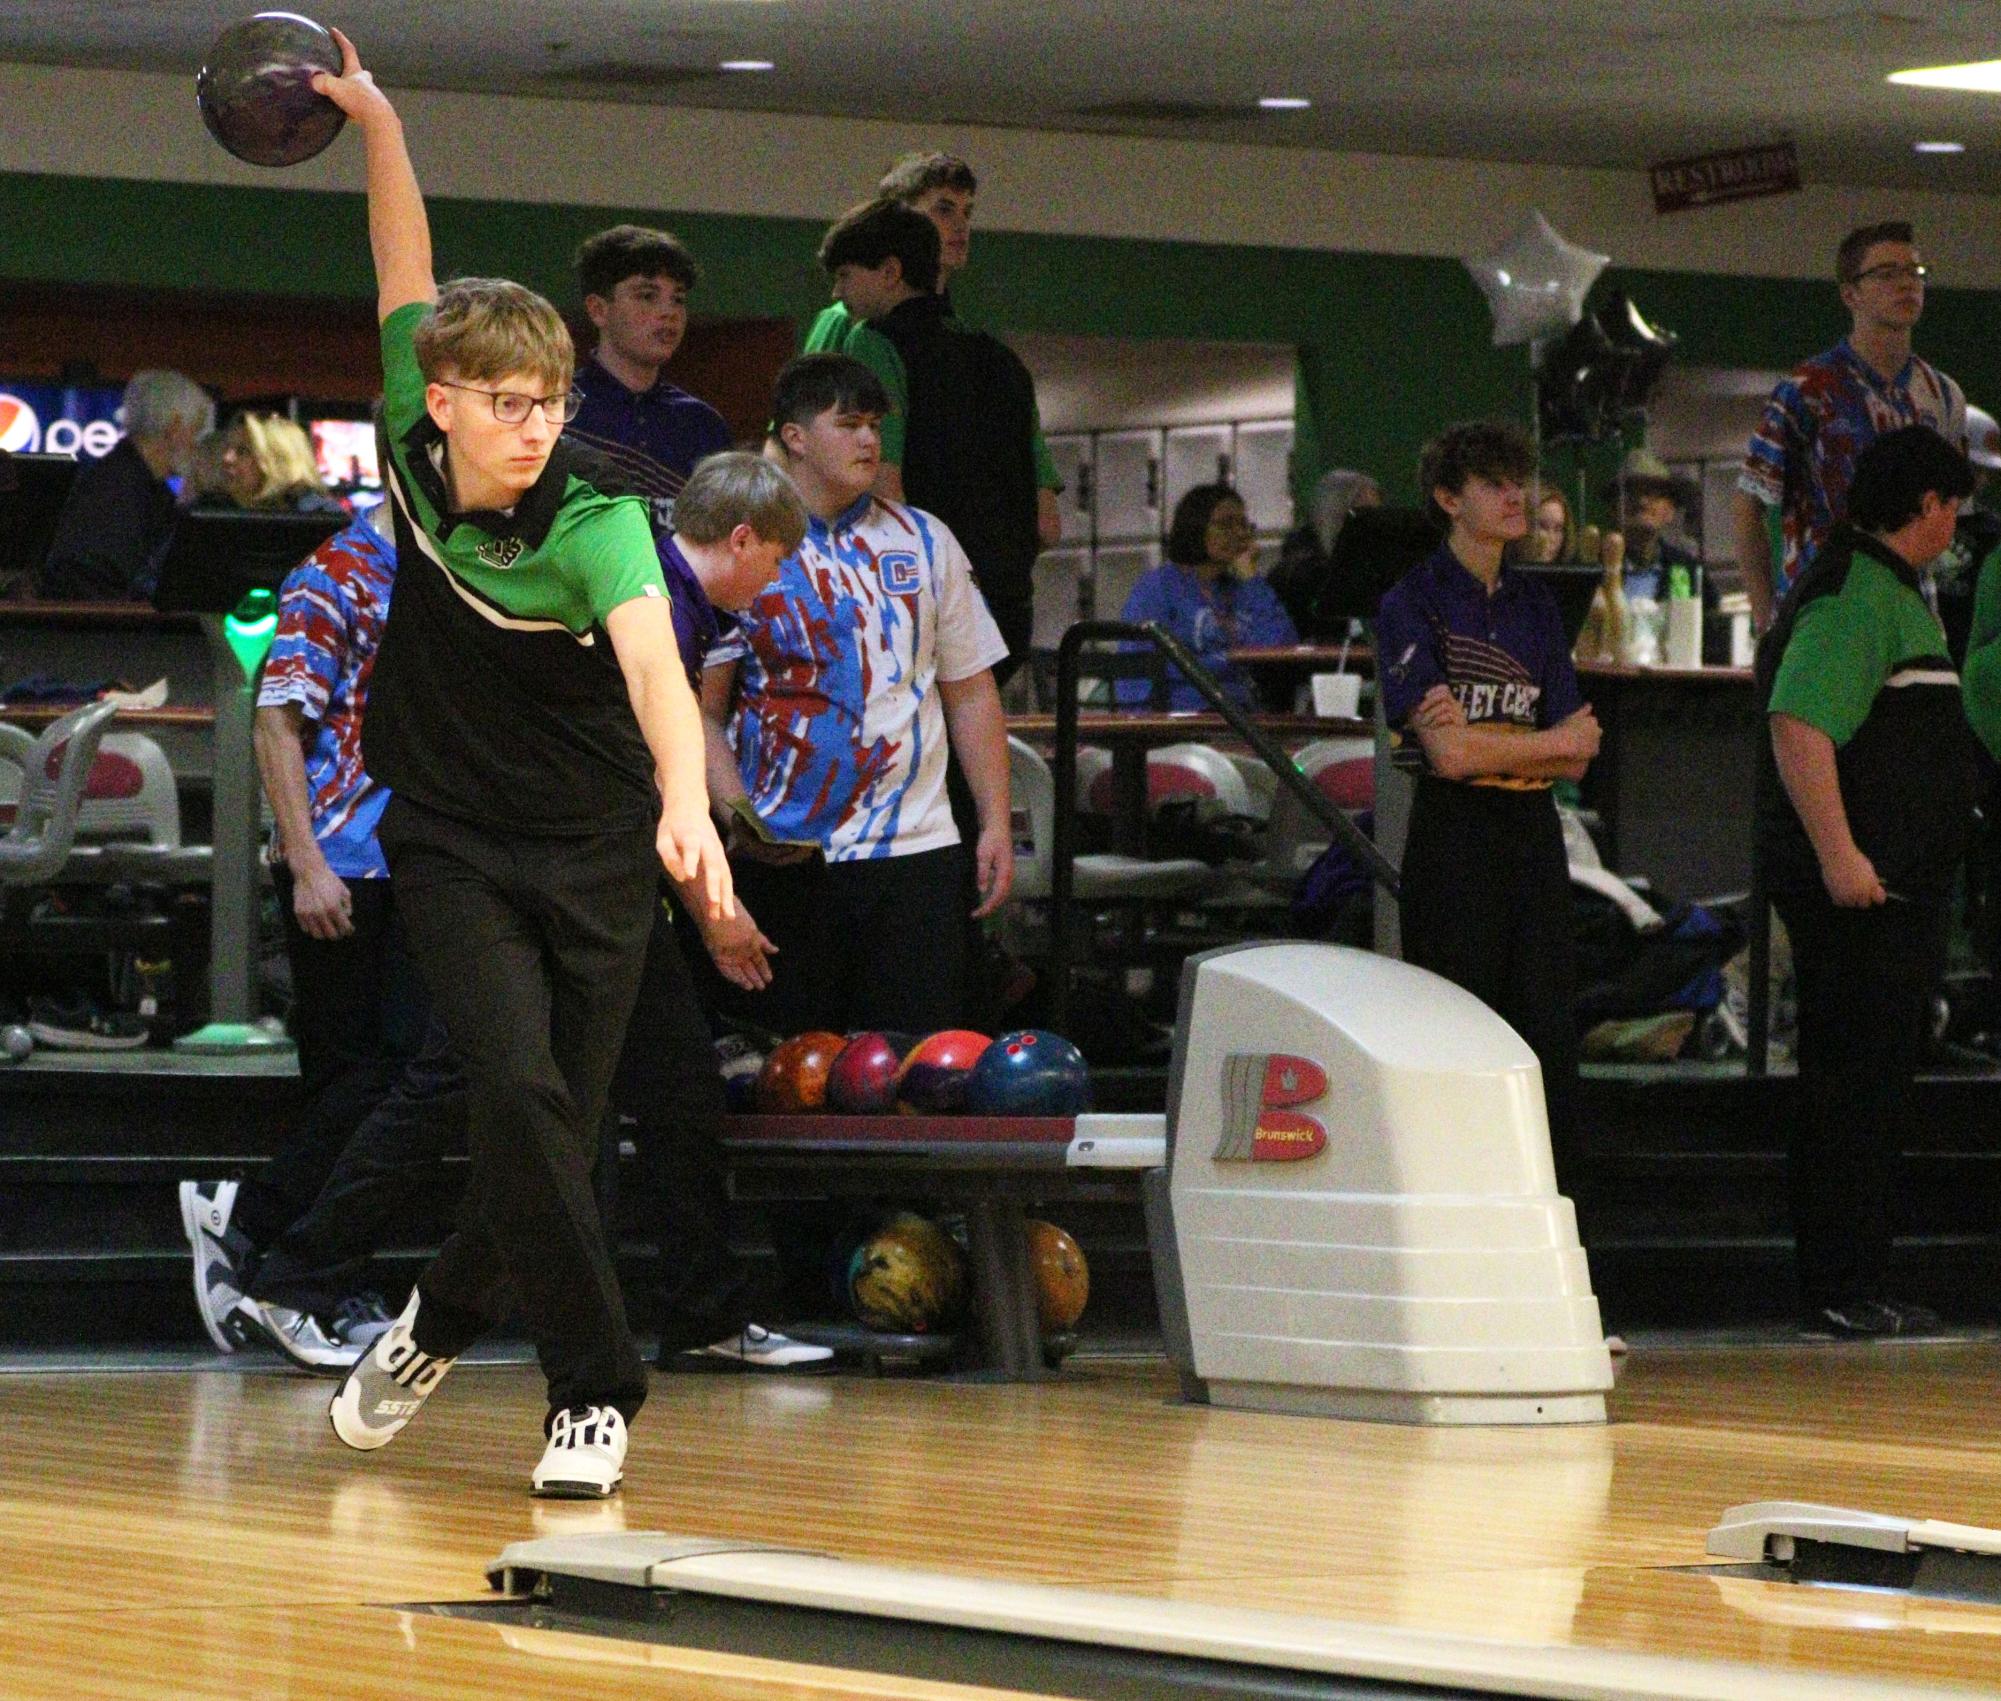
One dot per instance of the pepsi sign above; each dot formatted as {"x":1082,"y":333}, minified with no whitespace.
{"x":56,"y":419}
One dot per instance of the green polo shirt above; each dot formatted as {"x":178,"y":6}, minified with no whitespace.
{"x":495,"y":697}
{"x":1845,"y":647}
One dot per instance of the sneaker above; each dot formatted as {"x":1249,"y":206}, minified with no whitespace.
{"x":296,"y":1334}
{"x":84,"y":1027}
{"x":360,"y":1320}
{"x":220,"y":1252}
{"x":1854,"y":1320}
{"x":754,"y":1347}
{"x":585,"y":1458}
{"x":386,"y":1385}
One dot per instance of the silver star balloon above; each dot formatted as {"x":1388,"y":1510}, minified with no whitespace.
{"x":1535,"y":282}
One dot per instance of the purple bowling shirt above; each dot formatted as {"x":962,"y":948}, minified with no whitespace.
{"x":1504,"y":656}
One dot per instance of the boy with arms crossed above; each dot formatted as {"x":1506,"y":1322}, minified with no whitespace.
{"x":521,"y":834}
{"x":1480,"y":698}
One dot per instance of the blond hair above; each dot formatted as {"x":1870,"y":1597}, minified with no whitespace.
{"x":737,"y":489}
{"x":284,"y":456}
{"x":487,"y":329}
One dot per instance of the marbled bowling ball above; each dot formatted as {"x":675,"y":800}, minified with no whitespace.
{"x":1030,"y":1072}
{"x":255,"y":90}
{"x":1062,"y":1278}
{"x":907,"y":1278}
{"x":934,"y":1075}
{"x":794,"y":1076}
{"x":863,"y":1080}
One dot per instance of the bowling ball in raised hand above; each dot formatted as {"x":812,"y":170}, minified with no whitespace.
{"x":934,"y":1075}
{"x":1030,"y":1072}
{"x":863,"y":1080}
{"x":1062,"y":1278}
{"x":907,"y":1278}
{"x":794,"y":1076}
{"x":256,"y":91}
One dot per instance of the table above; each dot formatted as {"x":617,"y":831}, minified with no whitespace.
{"x":1130,"y":736}
{"x":1674,"y":776}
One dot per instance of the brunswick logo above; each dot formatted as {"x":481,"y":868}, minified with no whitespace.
{"x":1260,"y":1122}
{"x":500,"y":552}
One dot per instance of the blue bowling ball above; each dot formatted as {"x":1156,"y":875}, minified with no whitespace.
{"x":1030,"y":1072}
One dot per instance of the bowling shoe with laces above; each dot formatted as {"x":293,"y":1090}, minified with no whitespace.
{"x":585,"y":1458}
{"x":386,"y":1385}
{"x":299,"y":1335}
{"x":221,"y":1254}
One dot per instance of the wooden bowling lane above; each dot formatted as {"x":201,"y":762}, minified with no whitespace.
{"x":208,"y":1524}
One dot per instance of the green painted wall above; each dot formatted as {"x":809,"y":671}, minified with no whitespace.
{"x":1390,"y":346}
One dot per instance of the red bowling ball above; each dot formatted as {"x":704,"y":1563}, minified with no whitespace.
{"x":863,"y":1079}
{"x":934,"y":1075}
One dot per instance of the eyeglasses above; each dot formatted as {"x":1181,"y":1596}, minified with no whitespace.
{"x":510,"y":407}
{"x":1898,"y":271}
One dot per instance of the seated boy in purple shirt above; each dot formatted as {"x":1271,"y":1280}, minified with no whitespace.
{"x":1480,"y":697}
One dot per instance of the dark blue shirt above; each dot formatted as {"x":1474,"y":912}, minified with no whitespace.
{"x":1504,"y":655}
{"x":698,"y":624}
{"x":653,"y":438}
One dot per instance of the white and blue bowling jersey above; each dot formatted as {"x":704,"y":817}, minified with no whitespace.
{"x":839,"y":729}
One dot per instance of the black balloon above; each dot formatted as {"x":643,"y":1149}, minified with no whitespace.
{"x":1645,"y":349}
{"x":1577,"y":383}
{"x":256,"y":92}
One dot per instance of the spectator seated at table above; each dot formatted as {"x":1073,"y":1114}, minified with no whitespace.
{"x":267,"y":463}
{"x":1209,"y":595}
{"x":115,"y":523}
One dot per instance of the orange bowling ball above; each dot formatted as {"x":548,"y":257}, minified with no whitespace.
{"x":794,"y":1076}
{"x":1062,"y":1278}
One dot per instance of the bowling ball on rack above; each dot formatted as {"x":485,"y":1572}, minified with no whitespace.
{"x":794,"y":1076}
{"x":1030,"y":1072}
{"x":256,"y":91}
{"x":908,"y":1277}
{"x":863,"y":1079}
{"x":739,"y":1060}
{"x":1062,"y":1278}
{"x":934,"y":1074}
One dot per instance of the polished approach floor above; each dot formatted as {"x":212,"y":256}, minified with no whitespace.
{"x":199,"y":1532}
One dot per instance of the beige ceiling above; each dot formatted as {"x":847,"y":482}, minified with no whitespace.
{"x":1575,"y":82}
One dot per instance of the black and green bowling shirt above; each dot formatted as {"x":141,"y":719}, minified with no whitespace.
{"x":496,"y":698}
{"x":1857,"y":653}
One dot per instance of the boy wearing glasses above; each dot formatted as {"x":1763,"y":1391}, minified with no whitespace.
{"x":527,"y":701}
{"x":1819,"y":420}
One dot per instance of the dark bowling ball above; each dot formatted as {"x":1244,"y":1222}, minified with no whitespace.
{"x":256,"y":92}
{"x":863,"y":1080}
{"x":934,"y":1075}
{"x":794,"y":1076}
{"x":1030,"y":1072}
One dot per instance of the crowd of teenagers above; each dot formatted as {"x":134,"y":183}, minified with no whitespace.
{"x":602,"y":727}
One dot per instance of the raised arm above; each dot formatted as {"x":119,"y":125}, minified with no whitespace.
{"x":398,"y":231}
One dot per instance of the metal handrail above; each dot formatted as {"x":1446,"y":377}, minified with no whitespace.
{"x":1063,"y":847}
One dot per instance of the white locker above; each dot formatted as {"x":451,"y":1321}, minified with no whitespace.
{"x":1127,"y":494}
{"x":1195,"y":454}
{"x":1264,"y":473}
{"x":1072,"y":455}
{"x":1059,"y":592}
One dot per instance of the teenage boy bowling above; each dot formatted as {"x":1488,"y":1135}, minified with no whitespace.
{"x":531,"y":716}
